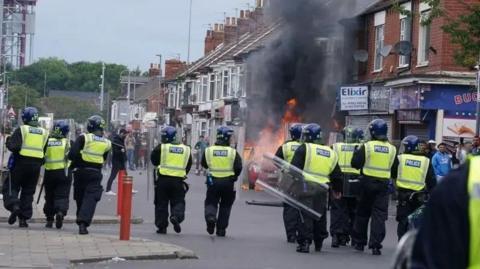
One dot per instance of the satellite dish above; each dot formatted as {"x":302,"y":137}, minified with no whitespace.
{"x":361,"y":56}
{"x":403,"y":48}
{"x":385,"y":51}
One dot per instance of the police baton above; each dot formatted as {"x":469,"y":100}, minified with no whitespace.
{"x":41,"y":190}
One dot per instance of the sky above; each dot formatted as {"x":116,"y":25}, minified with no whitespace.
{"x":126,"y":32}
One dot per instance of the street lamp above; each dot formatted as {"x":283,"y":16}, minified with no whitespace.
{"x":129,"y":82}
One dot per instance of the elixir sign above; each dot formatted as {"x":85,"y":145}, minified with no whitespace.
{"x":353,"y":98}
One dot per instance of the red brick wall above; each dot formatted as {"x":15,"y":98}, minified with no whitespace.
{"x":441,"y":61}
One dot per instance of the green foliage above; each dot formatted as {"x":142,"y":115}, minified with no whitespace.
{"x":465,"y":32}
{"x":69,"y":109}
{"x":20,"y":96}
{"x":60,"y":75}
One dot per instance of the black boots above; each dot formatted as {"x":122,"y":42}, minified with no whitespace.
{"x":162,"y":231}
{"x":292,"y":239}
{"x":176,"y":224}
{"x":59,"y":220}
{"x":22,"y":223}
{"x":318,"y":246}
{"x":335,"y":241}
{"x":359,"y":247}
{"x":82,"y":228}
{"x":13,"y":216}
{"x":221,"y":232}
{"x":376,"y":252}
{"x":211,"y":225}
{"x":303,"y":247}
{"x":49,"y":223}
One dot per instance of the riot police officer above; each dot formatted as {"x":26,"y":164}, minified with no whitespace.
{"x":88,"y":154}
{"x":57,"y":184}
{"x":173,"y":162}
{"x":285,"y":152}
{"x":377,"y":161}
{"x":414,"y":175}
{"x":449,"y":236}
{"x":342,"y":211}
{"x":27,"y":145}
{"x":320,"y":166}
{"x":224,"y":165}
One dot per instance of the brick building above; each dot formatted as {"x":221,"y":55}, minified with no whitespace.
{"x":424,"y":93}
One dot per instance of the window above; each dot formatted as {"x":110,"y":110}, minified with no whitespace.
{"x":234,"y":82}
{"x":423,"y":40}
{"x":204,"y":89}
{"x":197,"y":92}
{"x":218,"y":86}
{"x":379,"y":37}
{"x":211,"y":96}
{"x":179,"y":93}
{"x":242,"y":82}
{"x":405,"y":33}
{"x":226,"y":81}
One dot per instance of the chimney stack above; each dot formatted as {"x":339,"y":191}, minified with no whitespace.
{"x":214,"y":38}
{"x":173,"y":67}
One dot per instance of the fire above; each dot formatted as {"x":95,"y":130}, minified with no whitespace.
{"x":275,"y":134}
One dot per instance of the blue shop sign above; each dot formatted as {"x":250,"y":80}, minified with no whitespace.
{"x":450,"y":97}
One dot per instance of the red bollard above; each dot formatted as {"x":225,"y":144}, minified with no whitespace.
{"x":121,"y":176}
{"x":126,"y":214}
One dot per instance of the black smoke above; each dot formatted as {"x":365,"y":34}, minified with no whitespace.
{"x":299,"y":62}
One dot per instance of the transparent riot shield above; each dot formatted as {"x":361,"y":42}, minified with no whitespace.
{"x":291,"y":188}
{"x":403,"y":254}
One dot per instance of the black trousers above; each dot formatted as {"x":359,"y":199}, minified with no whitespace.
{"x":87,"y":191}
{"x":290,"y":220}
{"x":372,"y":207}
{"x":113,"y":175}
{"x":342,"y":215}
{"x":405,"y":207}
{"x":57,"y":191}
{"x":169,"y":191}
{"x":219,"y":201}
{"x":19,"y":189}
{"x":310,"y":229}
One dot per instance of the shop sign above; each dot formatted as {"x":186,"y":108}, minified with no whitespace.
{"x":380,"y":99}
{"x":455,"y":98}
{"x":353,"y":98}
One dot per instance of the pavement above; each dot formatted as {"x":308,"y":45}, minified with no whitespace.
{"x":41,"y":248}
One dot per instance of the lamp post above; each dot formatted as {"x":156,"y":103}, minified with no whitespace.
{"x":129,"y":82}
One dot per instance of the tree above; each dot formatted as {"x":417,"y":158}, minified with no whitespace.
{"x":20,"y":96}
{"x":34,"y":75}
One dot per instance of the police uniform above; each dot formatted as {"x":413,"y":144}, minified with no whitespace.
{"x":449,"y":236}
{"x":377,"y":161}
{"x":290,"y":214}
{"x":57,"y":184}
{"x":224,"y":165}
{"x":88,"y":155}
{"x":415,"y":174}
{"x":342,"y":211}
{"x":173,"y":162}
{"x":320,"y":165}
{"x":27,"y":144}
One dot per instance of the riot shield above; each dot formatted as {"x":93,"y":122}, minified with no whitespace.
{"x":403,"y":254}
{"x":291,"y":188}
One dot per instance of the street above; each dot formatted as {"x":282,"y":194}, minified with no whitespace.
{"x":255,"y":238}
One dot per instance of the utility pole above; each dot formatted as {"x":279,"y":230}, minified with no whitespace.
{"x":477,"y":127}
{"x":45,"y":85}
{"x":102,"y":87}
{"x":189,"y":32}
{"x":128,"y":87}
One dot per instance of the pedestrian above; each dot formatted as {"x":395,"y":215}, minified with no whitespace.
{"x":130,"y":148}
{"x":432,"y":145}
{"x":449,"y":236}
{"x":173,"y":162}
{"x":28,"y":145}
{"x":142,"y":152}
{"x":319,"y":164}
{"x":377,"y":161}
{"x":119,"y":158}
{"x":441,"y":162}
{"x":342,"y":210}
{"x":414,"y":176}
{"x":224,"y":165}
{"x":476,"y":145}
{"x":56,"y":182}
{"x":88,"y":154}
{"x":200,"y":147}
{"x":463,"y":151}
{"x":286,"y":152}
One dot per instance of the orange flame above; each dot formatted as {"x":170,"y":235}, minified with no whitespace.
{"x":271,"y":138}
